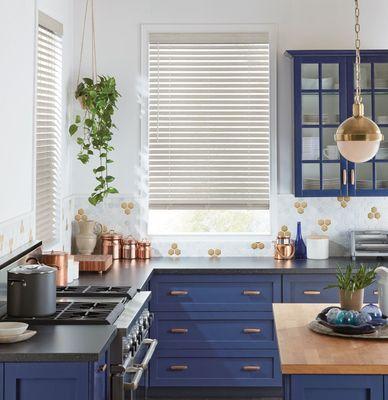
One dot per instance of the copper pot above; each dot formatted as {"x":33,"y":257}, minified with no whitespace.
{"x":111,"y":244}
{"x":128,"y":248}
{"x":144,"y":249}
{"x":58,"y":260}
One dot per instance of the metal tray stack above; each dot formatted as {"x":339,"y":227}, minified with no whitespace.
{"x":369,"y":244}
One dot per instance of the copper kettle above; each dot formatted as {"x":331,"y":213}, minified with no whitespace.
{"x":284,"y":248}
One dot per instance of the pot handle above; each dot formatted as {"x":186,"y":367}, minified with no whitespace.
{"x":22,"y":281}
{"x":32,"y":258}
{"x":97,"y":228}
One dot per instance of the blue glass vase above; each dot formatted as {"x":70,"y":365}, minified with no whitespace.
{"x":300,"y":247}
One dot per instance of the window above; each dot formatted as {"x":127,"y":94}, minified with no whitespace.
{"x":209,"y":133}
{"x":48,"y":123}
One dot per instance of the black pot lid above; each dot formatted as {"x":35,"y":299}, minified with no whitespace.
{"x":30,"y":269}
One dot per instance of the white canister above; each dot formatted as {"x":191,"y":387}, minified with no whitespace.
{"x":318,"y":247}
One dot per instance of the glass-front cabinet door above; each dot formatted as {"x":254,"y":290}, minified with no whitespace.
{"x":320,"y":105}
{"x":323,"y":98}
{"x":371,"y":178}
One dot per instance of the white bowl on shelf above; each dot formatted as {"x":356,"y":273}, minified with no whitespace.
{"x":12,"y":328}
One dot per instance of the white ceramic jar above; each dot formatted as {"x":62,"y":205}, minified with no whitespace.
{"x":317,"y":247}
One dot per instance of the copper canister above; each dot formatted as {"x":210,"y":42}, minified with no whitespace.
{"x":58,"y":260}
{"x":144,"y":249}
{"x":128,"y":248}
{"x":111,"y":244}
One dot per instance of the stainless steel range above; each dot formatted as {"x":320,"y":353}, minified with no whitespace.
{"x":131,"y":350}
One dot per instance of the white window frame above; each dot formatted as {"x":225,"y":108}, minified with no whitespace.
{"x":271,"y":29}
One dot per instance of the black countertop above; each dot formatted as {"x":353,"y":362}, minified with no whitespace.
{"x":137,"y":273}
{"x":82,"y":343}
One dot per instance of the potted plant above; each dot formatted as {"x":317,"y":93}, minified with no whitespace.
{"x":98,"y":99}
{"x":351,"y":283}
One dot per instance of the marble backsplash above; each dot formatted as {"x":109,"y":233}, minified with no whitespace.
{"x":335,"y":217}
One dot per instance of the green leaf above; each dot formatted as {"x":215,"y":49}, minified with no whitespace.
{"x":73,"y":129}
{"x":93,"y":200}
{"x":77,"y":119}
{"x":103,"y":155}
{"x":89,"y":122}
{"x":88,"y":81}
{"x":100,"y":169}
{"x":84,"y":158}
{"x":109,"y":161}
{"x":109,"y":178}
{"x":112,"y":190}
{"x":80,"y":141}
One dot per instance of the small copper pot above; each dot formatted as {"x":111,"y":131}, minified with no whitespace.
{"x":128,"y":248}
{"x":144,"y":249}
{"x":58,"y":260}
{"x":111,"y":244}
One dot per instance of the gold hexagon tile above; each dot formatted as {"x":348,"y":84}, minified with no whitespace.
{"x":174,"y":250}
{"x":284,"y":232}
{"x":344,"y":200}
{"x":214,"y":252}
{"x":127,"y":207}
{"x":324,"y":224}
{"x":257,"y":245}
{"x":300,"y":206}
{"x":374,"y":213}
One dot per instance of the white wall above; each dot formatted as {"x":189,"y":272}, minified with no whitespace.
{"x":302,"y":24}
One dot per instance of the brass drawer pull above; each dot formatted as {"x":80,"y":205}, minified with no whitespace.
{"x":102,"y":368}
{"x":251,"y":368}
{"x":312,"y":292}
{"x":179,"y":293}
{"x":251,"y":292}
{"x":376,"y":292}
{"x":344,"y":177}
{"x":252,"y":330}
{"x":179,"y":367}
{"x":179,"y":330}
{"x":352,"y":177}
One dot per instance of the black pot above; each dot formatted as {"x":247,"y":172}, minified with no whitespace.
{"x":31,"y":291}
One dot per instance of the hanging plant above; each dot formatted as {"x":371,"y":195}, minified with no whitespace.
{"x":95,"y":130}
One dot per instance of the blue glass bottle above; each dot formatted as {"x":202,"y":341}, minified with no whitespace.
{"x":300,"y":247}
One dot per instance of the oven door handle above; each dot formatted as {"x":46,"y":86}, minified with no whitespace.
{"x":150,"y":352}
{"x":133,"y":385}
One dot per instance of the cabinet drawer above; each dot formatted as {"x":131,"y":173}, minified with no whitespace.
{"x":311,"y":289}
{"x":215,"y":292}
{"x":215,"y":368}
{"x":214,"y":330}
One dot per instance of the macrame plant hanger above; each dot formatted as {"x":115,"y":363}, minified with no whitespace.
{"x":89,"y":4}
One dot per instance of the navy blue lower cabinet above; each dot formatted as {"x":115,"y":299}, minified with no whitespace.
{"x":214,"y":330}
{"x":1,"y":381}
{"x":215,"y":292}
{"x":334,"y":387}
{"x":215,"y":368}
{"x":46,"y":381}
{"x":310,"y":288}
{"x":99,"y":378}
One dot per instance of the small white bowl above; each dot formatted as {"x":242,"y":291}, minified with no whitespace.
{"x":12,"y":328}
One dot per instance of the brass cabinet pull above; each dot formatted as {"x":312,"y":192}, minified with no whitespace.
{"x":344,"y":177}
{"x":179,"y":293}
{"x":251,"y":330}
{"x":251,"y":368}
{"x":251,"y":292}
{"x":312,"y":292}
{"x":179,"y":330}
{"x":178,"y":367}
{"x":376,"y":292}
{"x":352,"y":177}
{"x":102,"y":368}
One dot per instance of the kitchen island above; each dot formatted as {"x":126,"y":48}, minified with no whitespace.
{"x":317,"y":367}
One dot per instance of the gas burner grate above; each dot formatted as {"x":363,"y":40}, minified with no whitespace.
{"x":96,"y":291}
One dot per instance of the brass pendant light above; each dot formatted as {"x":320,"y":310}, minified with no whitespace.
{"x":358,"y":138}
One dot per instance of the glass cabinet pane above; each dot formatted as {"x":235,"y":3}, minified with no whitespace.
{"x":310,"y":77}
{"x":310,"y":176}
{"x":381,"y":75}
{"x":310,"y":109}
{"x":330,"y":109}
{"x":382,"y":154}
{"x":364,"y":176}
{"x":367,"y":100}
{"x":381,"y":108}
{"x":381,"y":175}
{"x":330,"y":149}
{"x":330,"y":76}
{"x":365,"y":76}
{"x":310,"y":143}
{"x":331,"y":176}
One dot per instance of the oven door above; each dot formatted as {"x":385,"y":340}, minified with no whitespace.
{"x":132,"y":382}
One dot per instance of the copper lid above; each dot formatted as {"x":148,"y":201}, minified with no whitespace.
{"x":111,"y":235}
{"x":128,"y":240}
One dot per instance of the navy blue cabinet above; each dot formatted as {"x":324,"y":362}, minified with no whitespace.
{"x":323,"y":98}
{"x":335,"y":387}
{"x":1,"y":381}
{"x":44,"y":381}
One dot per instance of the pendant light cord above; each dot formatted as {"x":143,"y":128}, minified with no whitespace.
{"x":357,"y":42}
{"x":94,"y":57}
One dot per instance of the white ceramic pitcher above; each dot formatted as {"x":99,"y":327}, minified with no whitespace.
{"x":382,"y":287}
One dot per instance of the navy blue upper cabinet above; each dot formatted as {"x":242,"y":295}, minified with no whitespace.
{"x":323,"y":98}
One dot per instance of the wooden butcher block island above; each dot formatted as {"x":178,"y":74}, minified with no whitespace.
{"x":318,"y":367}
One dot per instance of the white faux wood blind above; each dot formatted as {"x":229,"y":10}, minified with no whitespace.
{"x":48,"y":131}
{"x":209,"y":121}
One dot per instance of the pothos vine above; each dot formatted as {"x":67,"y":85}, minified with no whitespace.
{"x":95,"y":130}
